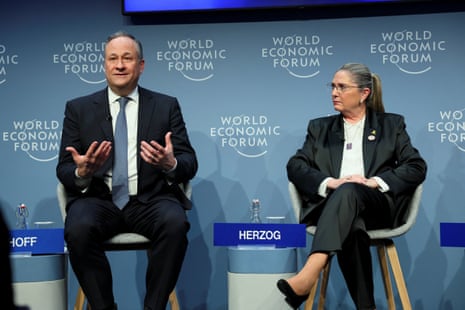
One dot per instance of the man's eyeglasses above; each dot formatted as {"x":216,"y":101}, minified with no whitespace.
{"x":340,"y":88}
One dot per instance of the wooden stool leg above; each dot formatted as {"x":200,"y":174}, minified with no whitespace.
{"x":386,"y":277}
{"x":398,"y":276}
{"x":80,"y":299}
{"x":173,"y":299}
{"x":311,"y":297}
{"x":324,"y":286}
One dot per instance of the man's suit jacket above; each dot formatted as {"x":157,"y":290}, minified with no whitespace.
{"x":88,"y":119}
{"x":387,"y":153}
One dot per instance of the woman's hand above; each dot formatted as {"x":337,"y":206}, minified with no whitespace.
{"x":355,"y":178}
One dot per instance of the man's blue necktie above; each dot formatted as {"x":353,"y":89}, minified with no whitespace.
{"x":120,"y":190}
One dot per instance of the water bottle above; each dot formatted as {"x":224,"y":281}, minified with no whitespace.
{"x":21,"y":215}
{"x":255,"y":211}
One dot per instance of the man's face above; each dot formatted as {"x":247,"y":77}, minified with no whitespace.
{"x":123,"y":66}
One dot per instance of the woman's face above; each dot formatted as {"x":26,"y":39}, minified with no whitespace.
{"x":346,"y":95}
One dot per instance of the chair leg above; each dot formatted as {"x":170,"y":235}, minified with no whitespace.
{"x":386,"y":250}
{"x":324,"y":285}
{"x":398,"y":276}
{"x":311,"y":296}
{"x":173,"y":299}
{"x":80,"y":299}
{"x":386,"y":276}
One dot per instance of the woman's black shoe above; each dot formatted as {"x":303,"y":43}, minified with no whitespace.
{"x":292,"y":298}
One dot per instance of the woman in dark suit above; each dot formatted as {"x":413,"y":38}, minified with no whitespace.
{"x":356,"y":171}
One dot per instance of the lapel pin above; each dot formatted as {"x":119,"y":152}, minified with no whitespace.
{"x":372,"y":135}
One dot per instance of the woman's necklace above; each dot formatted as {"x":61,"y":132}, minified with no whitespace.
{"x":353,"y":133}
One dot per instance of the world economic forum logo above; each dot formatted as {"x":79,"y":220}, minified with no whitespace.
{"x":248,"y":135}
{"x":410,"y":51}
{"x":451,"y":127}
{"x":195,"y":60}
{"x":6,"y":60}
{"x":83,"y":59}
{"x":299,"y":55}
{"x":38,"y":139}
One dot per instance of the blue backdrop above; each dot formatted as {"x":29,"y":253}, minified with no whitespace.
{"x":247,"y":91}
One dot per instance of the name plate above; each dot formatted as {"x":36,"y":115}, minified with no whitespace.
{"x":37,"y":241}
{"x":277,"y":235}
{"x":452,"y":234}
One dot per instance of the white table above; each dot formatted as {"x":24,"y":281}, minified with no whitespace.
{"x":252,"y":275}
{"x":39,"y":281}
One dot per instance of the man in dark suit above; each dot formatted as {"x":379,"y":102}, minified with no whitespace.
{"x":159,"y":157}
{"x":356,"y":171}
